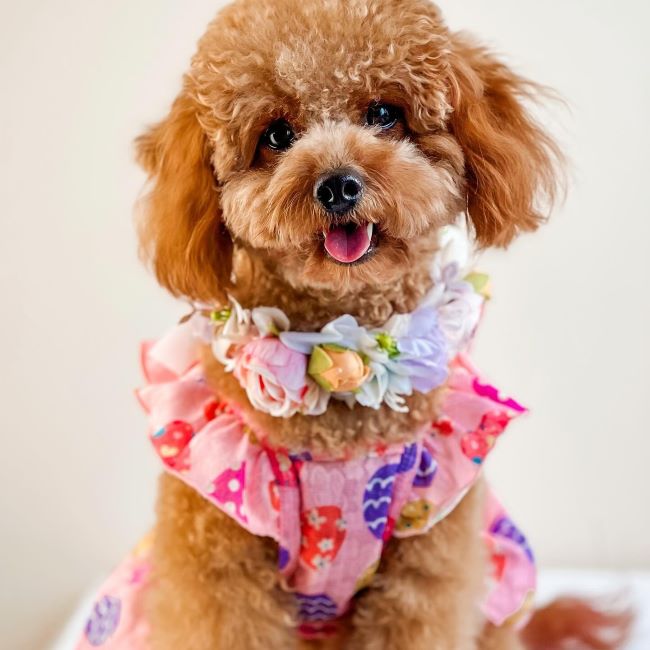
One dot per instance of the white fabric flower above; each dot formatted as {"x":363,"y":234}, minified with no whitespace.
{"x":344,"y":331}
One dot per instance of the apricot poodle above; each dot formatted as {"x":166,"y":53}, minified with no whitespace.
{"x":306,"y":181}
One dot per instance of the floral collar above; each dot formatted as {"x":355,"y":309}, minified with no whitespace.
{"x":286,"y":372}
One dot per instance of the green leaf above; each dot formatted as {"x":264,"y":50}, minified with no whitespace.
{"x":319,"y":361}
{"x":478,"y":280}
{"x":221,"y":315}
{"x":334,"y":347}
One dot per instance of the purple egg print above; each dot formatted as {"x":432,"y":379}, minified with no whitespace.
{"x":377,"y":499}
{"x":304,"y":456}
{"x":408,"y":459}
{"x":426,"y":470}
{"x":283,"y":557}
{"x":505,"y":527}
{"x":315,"y":608}
{"x":103,"y":620}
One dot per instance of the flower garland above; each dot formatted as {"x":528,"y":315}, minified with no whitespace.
{"x":286,"y":372}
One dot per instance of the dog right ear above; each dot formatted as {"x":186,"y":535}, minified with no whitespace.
{"x":514,"y":169}
{"x":181,"y":230}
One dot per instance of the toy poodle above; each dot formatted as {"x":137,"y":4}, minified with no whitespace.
{"x":316,"y":193}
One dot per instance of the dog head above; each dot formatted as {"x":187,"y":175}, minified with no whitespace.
{"x":332,"y":139}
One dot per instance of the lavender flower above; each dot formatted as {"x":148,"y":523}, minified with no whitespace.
{"x":423,"y":351}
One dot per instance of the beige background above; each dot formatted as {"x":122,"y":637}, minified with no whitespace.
{"x":567,"y":331}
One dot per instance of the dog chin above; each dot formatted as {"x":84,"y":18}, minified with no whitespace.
{"x":346,"y":254}
{"x":385,"y":261}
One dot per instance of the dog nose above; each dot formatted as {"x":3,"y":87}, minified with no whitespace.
{"x":339,"y":191}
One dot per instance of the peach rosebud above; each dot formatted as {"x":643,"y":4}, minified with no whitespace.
{"x":337,"y":369}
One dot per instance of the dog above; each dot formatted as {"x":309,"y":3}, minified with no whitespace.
{"x":304,"y":174}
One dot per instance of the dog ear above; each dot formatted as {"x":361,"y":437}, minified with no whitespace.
{"x":512,"y":164}
{"x":181,"y":231}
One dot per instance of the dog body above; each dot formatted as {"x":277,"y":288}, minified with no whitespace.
{"x":231,"y":200}
{"x":315,"y":152}
{"x":330,"y":517}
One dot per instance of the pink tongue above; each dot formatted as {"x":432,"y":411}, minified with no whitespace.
{"x":348,"y":243}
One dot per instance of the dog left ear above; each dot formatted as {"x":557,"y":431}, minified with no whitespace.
{"x":512,"y":165}
{"x":181,"y":230}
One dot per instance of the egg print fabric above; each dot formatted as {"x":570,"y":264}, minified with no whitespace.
{"x":116,"y":619}
{"x":331,"y":517}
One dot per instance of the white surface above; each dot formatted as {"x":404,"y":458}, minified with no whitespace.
{"x":567,"y":331}
{"x":634,"y":588}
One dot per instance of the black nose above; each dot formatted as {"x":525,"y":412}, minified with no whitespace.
{"x":339,"y":191}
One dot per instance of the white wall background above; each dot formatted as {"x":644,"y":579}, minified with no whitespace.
{"x":568,"y":329}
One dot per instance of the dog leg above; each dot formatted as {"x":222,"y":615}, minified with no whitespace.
{"x":214,"y":586}
{"x":427,"y":594}
{"x":500,"y":638}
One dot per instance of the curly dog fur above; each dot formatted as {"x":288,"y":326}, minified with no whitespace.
{"x":226,"y":214}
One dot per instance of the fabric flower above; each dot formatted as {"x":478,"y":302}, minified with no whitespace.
{"x":454,"y":250}
{"x":349,"y":362}
{"x":385,"y":385}
{"x":337,"y":369}
{"x":344,"y":332}
{"x":273,"y":375}
{"x":456,"y":300}
{"x":459,"y":315}
{"x":423,"y":351}
{"x":270,"y":320}
{"x":235,"y":331}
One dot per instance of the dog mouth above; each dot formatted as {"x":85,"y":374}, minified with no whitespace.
{"x":350,"y":243}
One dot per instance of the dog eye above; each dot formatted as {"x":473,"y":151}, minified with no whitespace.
{"x":382,"y":115}
{"x":279,"y":136}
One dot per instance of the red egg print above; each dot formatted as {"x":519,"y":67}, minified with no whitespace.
{"x":323,"y":532}
{"x":494,"y":423}
{"x":475,"y":446}
{"x":498,"y":565}
{"x":381,"y":449}
{"x":388,"y":531}
{"x":318,"y":630}
{"x":285,"y":468}
{"x":443,"y":426}
{"x":213,"y":408}
{"x":171,"y":441}
{"x":274,"y":495}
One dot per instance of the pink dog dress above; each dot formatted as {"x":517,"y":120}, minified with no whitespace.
{"x":331,"y":517}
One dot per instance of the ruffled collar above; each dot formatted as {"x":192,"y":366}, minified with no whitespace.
{"x":285,"y":372}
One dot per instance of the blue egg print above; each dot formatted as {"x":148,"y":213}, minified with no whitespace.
{"x":377,"y":499}
{"x":316,"y":607}
{"x":283,"y":557}
{"x":408,"y":459}
{"x":505,"y":527}
{"x":426,"y":470}
{"x":303,"y":455}
{"x":103,"y":620}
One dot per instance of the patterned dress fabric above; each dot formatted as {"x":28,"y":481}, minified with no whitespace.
{"x":331,"y":517}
